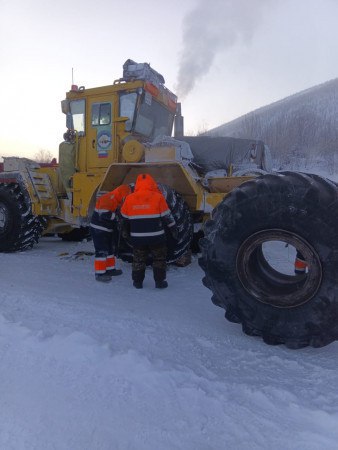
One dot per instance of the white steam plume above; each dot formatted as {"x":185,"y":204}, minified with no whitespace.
{"x":210,"y":28}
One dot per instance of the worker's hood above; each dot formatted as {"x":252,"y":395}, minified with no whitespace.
{"x":121,"y":192}
{"x":146,"y":182}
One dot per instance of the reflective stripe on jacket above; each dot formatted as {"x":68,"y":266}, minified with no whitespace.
{"x":147,"y":213}
{"x":106,"y":206}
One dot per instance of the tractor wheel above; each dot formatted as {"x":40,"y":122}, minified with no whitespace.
{"x":19,"y":229}
{"x":300,"y":212}
{"x":184,"y":223}
{"x":40,"y":225}
{"x":185,"y":226}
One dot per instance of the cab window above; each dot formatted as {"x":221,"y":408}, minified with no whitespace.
{"x":77,"y":116}
{"x":127,"y":108}
{"x":101,"y":114}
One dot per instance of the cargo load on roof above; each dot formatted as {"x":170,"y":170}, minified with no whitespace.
{"x":141,"y":71}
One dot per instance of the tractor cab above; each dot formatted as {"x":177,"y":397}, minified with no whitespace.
{"x":111,"y":125}
{"x":100,"y":121}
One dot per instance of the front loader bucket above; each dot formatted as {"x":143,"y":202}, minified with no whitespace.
{"x":171,"y":174}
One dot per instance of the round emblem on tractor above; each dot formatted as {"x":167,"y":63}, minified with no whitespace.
{"x":104,"y":140}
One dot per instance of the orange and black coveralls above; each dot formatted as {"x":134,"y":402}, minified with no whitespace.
{"x":300,"y":264}
{"x":146,"y":215}
{"x":103,"y":227}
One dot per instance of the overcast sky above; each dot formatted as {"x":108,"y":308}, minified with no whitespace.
{"x":223,"y":57}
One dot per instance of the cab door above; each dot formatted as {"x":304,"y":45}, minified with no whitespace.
{"x":100,"y":131}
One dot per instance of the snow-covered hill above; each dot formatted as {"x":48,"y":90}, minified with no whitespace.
{"x":90,"y":366}
{"x":301,"y":130}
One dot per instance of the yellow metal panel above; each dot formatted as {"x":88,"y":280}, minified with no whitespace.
{"x":41,"y":187}
{"x":156,"y":154}
{"x":226,"y":184}
{"x":113,"y":88}
{"x":84,"y":189}
{"x":212,"y":200}
{"x":172,"y":174}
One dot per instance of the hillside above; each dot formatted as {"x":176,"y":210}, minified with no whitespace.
{"x":301,"y":130}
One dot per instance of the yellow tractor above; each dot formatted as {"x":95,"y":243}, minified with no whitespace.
{"x":219,"y":188}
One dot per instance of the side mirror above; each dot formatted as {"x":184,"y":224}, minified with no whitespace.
{"x":65,"y":106}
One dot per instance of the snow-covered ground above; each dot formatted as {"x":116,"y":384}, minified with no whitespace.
{"x":87,"y":365}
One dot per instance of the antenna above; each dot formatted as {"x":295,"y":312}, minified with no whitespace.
{"x":74,"y":87}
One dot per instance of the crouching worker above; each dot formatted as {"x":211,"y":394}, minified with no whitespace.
{"x":146,"y":215}
{"x":104,"y":232}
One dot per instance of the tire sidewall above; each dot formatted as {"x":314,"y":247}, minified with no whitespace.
{"x":9,"y":235}
{"x":235,"y":221}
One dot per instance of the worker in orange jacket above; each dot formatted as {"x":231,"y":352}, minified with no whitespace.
{"x":300,"y":264}
{"x":147,"y":216}
{"x":103,"y":227}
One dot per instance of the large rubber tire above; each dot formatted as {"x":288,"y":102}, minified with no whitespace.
{"x":184,"y":223}
{"x":295,"y":208}
{"x":19,"y":229}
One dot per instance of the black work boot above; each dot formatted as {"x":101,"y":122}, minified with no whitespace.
{"x":138,"y":277}
{"x":159,"y":277}
{"x":104,"y":277}
{"x":161,"y":284}
{"x":114,"y":272}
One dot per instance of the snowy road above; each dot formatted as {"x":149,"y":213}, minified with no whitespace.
{"x":86,"y":365}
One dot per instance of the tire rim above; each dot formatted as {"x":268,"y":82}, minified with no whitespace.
{"x":267,"y":284}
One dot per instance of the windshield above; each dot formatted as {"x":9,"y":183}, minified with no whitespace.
{"x":151,"y":119}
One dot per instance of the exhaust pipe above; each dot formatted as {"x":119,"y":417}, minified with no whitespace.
{"x":178,"y":123}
